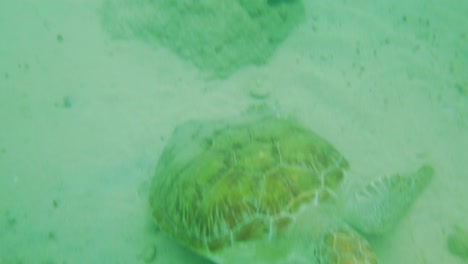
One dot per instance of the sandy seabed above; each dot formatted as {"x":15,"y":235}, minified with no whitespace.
{"x":84,"y":118}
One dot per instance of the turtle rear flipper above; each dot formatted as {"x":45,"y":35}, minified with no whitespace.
{"x":376,"y":208}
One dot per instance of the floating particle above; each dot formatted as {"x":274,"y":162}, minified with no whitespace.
{"x":148,"y":254}
{"x":59,"y":38}
{"x":55,"y":204}
{"x":457,"y":242}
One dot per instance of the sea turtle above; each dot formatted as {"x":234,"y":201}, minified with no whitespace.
{"x":261,"y":188}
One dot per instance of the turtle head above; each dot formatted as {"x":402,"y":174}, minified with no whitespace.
{"x":344,"y":246}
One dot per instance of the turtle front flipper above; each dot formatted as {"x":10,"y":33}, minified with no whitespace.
{"x":343,"y":246}
{"x":377,"y":207}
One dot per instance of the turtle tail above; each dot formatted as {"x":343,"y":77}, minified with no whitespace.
{"x":376,"y":208}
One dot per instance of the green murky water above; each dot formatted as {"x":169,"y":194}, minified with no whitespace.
{"x":91,"y":91}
